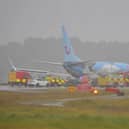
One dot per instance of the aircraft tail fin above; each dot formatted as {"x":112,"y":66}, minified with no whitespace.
{"x":13,"y":67}
{"x":68,"y":49}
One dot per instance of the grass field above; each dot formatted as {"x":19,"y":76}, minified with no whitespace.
{"x":81,"y":114}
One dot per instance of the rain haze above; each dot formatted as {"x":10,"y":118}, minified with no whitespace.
{"x":91,"y":20}
{"x":31,"y":29}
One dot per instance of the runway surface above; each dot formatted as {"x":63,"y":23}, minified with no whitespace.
{"x":23,"y":89}
{"x":57,"y":102}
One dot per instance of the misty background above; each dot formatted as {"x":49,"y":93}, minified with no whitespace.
{"x":30,"y":30}
{"x":51,"y":49}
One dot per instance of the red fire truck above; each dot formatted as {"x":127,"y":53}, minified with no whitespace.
{"x":18,"y":77}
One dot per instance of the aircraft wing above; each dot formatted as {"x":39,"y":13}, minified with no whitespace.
{"x":49,"y":62}
{"x":30,"y":70}
{"x":14,"y":68}
{"x":88,"y":62}
{"x":42,"y":71}
{"x":59,"y":74}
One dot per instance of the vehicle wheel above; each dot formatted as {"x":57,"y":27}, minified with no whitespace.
{"x":11,"y":84}
{"x":120,"y":94}
{"x":47,"y":84}
{"x":37,"y":84}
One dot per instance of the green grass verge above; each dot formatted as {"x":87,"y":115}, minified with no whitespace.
{"x":81,"y":114}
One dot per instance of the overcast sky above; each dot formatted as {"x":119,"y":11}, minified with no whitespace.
{"x":92,"y":20}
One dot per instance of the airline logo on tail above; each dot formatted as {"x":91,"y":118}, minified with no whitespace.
{"x":66,"y":41}
{"x":67,"y":50}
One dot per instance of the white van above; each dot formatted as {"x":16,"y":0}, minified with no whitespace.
{"x":37,"y":82}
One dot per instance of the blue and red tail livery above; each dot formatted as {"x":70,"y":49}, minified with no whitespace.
{"x":68,"y":50}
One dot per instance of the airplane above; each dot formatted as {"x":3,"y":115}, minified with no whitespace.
{"x":77,"y":67}
{"x":72,"y":63}
{"x":110,"y":67}
{"x":15,"y":68}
